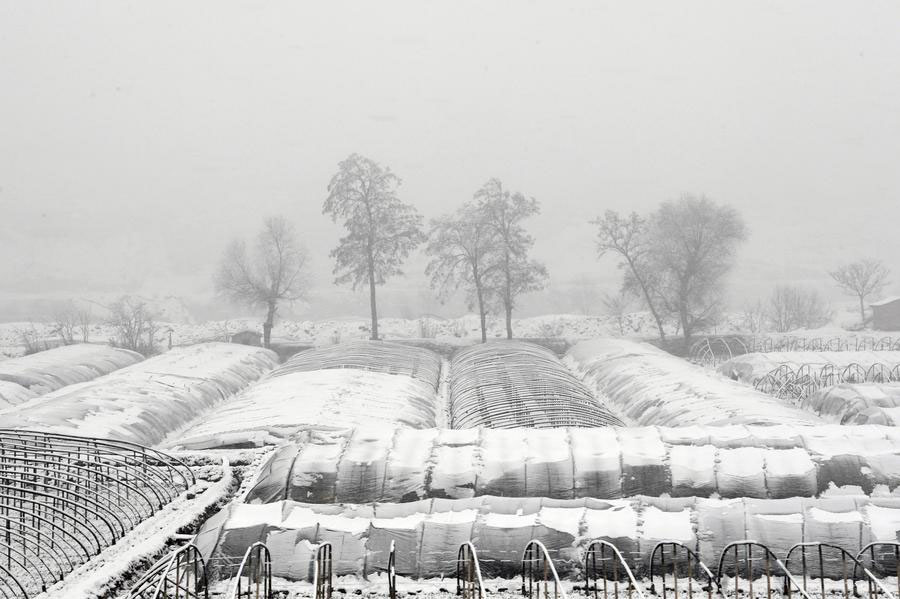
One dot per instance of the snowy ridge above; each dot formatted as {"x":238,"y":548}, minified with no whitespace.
{"x":647,"y":386}
{"x":428,"y":533}
{"x":381,"y":464}
{"x":149,"y":400}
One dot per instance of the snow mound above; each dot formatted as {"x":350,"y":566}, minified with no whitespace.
{"x":53,"y":369}
{"x":146,"y":401}
{"x":861,"y":403}
{"x":283,"y":405}
{"x":651,"y":387}
{"x":514,"y":384}
{"x":12,"y":394}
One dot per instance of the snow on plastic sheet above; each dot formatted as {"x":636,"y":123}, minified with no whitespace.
{"x":751,"y":367}
{"x":863,"y":403}
{"x":56,"y":368}
{"x":647,"y":386}
{"x":284,"y":405}
{"x":399,"y":464}
{"x":12,"y":394}
{"x":148,"y":400}
{"x":427,"y":534}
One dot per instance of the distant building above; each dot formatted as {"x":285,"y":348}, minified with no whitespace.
{"x":247,"y":338}
{"x":886,"y":314}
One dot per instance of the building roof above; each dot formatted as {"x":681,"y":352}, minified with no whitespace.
{"x":885,"y":301}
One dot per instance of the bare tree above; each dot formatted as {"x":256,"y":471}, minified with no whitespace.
{"x":381,"y":230}
{"x":617,"y":307}
{"x":755,"y":316}
{"x":85,"y":319}
{"x":134,"y":325}
{"x":273,"y":273}
{"x":65,"y":322}
{"x":793,"y":307}
{"x":861,"y":279}
{"x":462,"y":247}
{"x":628,"y":237}
{"x":694,"y":243}
{"x":515,"y":273}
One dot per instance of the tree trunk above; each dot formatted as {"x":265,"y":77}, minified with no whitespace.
{"x":267,"y":326}
{"x":481,"y":312}
{"x":862,"y":311}
{"x":373,"y":306}
{"x":637,"y":276}
{"x":509,"y":334}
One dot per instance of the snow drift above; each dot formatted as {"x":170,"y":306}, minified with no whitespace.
{"x":651,"y":387}
{"x":148,"y":400}
{"x":863,"y":403}
{"x":36,"y":374}
{"x":283,"y":405}
{"x":402,"y":465}
{"x":511,"y":384}
{"x":428,"y":533}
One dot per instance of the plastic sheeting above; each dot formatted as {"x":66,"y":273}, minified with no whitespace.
{"x":648,"y":386}
{"x":375,"y":356}
{"x":284,"y":405}
{"x":508,"y":384}
{"x":749,"y":368}
{"x":12,"y":394}
{"x":401,"y":465}
{"x":56,"y":368}
{"x":428,"y":533}
{"x":149,"y":400}
{"x":863,"y":403}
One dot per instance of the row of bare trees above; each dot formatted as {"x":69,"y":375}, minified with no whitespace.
{"x":481,"y":248}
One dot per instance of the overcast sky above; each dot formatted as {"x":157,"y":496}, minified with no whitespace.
{"x":137,"y":138}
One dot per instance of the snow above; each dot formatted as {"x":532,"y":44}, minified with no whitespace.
{"x":670,"y":526}
{"x":862,"y":403}
{"x":751,"y":367}
{"x":281,"y":406}
{"x":149,"y":400}
{"x":834,"y":517}
{"x":13,"y":394}
{"x":647,"y":386}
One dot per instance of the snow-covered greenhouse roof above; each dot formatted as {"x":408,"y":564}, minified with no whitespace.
{"x":149,"y":400}
{"x":46,"y":371}
{"x":751,"y":367}
{"x":861,"y":403}
{"x":648,"y":386}
{"x":509,"y":384}
{"x":399,"y":464}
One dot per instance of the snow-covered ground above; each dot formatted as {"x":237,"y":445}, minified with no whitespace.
{"x":751,"y":367}
{"x":862,"y":403}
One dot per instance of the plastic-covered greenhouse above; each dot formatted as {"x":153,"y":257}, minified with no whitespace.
{"x":863,"y":403}
{"x":513,"y":384}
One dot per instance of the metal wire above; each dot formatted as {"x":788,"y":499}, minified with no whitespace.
{"x":538,"y":573}
{"x":254,"y":576}
{"x":612,"y":569}
{"x":826,"y":560}
{"x":753,"y":565}
{"x":179,"y":575}
{"x":469,"y":583}
{"x":322,"y":580}
{"x":64,"y":499}
{"x":681,"y":559}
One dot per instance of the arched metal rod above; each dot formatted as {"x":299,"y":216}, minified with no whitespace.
{"x":48,"y":549}
{"x":322,"y":575}
{"x":65,"y":513}
{"x":182,"y":563}
{"x":257,"y":567}
{"x":64,"y":534}
{"x":469,"y":583}
{"x":536,"y":553}
{"x":601,"y":547}
{"x":770,"y":559}
{"x":171,"y":462}
{"x":123,"y":500}
{"x":161,"y":487}
{"x":32,"y":462}
{"x":692,"y":558}
{"x":844,"y":557}
{"x":26,"y":565}
{"x":894,"y":546}
{"x":78,"y":524}
{"x":7,"y":578}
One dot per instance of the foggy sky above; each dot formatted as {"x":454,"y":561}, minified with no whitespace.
{"x":137,"y":138}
